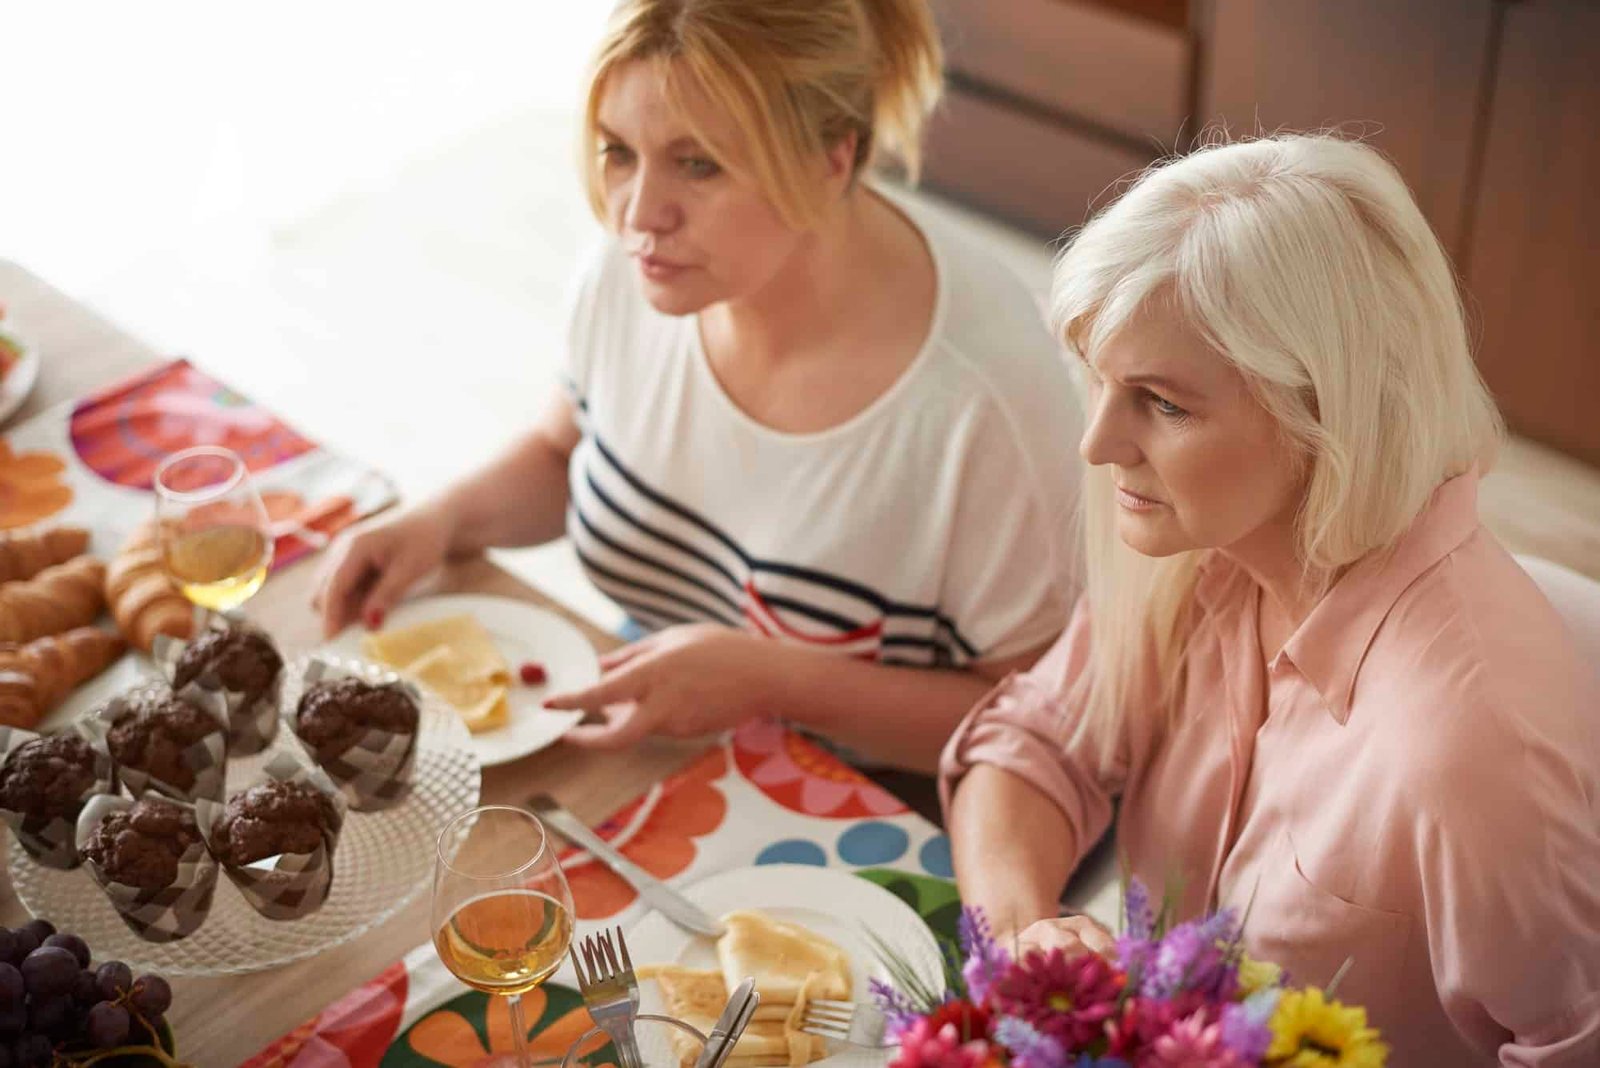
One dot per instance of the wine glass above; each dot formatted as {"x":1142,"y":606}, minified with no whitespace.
{"x":502,"y":911}
{"x":216,"y":538}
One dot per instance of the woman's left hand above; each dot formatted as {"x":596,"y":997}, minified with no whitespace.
{"x":684,"y":681}
{"x":1073,"y":935}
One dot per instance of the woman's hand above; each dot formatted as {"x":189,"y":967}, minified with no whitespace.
{"x":684,"y":681}
{"x":370,"y":567}
{"x":1073,"y":935}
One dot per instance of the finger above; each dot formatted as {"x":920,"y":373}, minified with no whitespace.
{"x":342,"y":592}
{"x":390,"y":587}
{"x":624,"y":726}
{"x":617,"y":657}
{"x":624,"y":684}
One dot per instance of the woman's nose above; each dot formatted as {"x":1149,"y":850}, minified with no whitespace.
{"x":651,"y":207}
{"x":1106,"y":440}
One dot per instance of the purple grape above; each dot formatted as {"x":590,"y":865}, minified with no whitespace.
{"x":13,"y":1020}
{"x":8,"y":946}
{"x":32,"y":1051}
{"x":40,"y":929}
{"x":12,"y":987}
{"x":26,"y":944}
{"x":49,"y":971}
{"x":86,"y":988}
{"x":151,"y":996}
{"x":109,"y":1025}
{"x":48,"y":1014}
{"x":6,"y":1060}
{"x":72,"y":944}
{"x":115,"y":979}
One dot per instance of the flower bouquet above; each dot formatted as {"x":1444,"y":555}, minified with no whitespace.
{"x":1171,"y":996}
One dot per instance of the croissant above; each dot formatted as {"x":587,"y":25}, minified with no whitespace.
{"x":35,"y":677}
{"x":23,"y":556}
{"x":56,"y":599}
{"x":144,"y":600}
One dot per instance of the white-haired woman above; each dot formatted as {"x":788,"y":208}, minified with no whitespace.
{"x":1315,"y":682}
{"x":811,"y":440}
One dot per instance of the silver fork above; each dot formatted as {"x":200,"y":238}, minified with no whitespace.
{"x":859,"y":1025}
{"x":611,"y":991}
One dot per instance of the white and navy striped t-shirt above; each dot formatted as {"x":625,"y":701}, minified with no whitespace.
{"x":929,"y":529}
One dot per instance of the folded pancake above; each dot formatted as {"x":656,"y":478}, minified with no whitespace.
{"x":697,"y":998}
{"x":783,"y":957}
{"x":480,"y":703}
{"x":456,"y":659}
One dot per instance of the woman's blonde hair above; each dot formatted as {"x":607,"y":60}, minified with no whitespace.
{"x":793,"y":76}
{"x":1304,"y":261}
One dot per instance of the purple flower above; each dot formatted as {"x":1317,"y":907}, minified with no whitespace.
{"x":1246,"y":1026}
{"x":1141,"y":922}
{"x":1188,"y":959}
{"x":986,"y":960}
{"x":1221,"y":926}
{"x":1029,"y":1049}
{"x":898,"y":1011}
{"x":1134,"y":956}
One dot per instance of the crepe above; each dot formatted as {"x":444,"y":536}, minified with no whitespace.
{"x":790,"y":964}
{"x":455,"y":658}
{"x":783,"y":957}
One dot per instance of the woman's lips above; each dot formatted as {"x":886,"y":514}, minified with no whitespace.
{"x":1134,"y":502}
{"x":658,"y":269}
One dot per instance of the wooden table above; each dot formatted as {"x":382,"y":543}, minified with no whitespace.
{"x":222,"y":1021}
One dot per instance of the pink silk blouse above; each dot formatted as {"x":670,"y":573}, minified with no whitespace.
{"x":1413,"y":782}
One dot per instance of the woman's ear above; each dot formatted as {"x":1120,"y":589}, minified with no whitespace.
{"x":842,"y":159}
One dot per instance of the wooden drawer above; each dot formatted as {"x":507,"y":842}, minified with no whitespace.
{"x":1127,"y":74}
{"x":1026,"y":169}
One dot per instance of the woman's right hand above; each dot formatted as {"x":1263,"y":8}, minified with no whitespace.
{"x":370,"y":568}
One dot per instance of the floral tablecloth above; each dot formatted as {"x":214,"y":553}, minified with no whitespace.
{"x":91,"y":462}
{"x":764,"y":796}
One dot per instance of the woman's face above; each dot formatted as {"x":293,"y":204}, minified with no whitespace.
{"x":1198,"y":462}
{"x":698,"y":234}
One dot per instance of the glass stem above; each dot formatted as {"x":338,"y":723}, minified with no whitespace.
{"x":519,"y":1033}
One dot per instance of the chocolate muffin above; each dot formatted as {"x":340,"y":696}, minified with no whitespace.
{"x":142,"y":846}
{"x":335,"y":713}
{"x":46,"y":778}
{"x":271,"y":818}
{"x":153,"y":731}
{"x":244,"y":660}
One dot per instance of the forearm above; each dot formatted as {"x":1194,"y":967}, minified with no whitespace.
{"x":898,"y":715}
{"x":519,"y":498}
{"x":1014,"y":875}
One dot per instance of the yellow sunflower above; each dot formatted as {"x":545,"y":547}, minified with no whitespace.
{"x":1309,"y":1031}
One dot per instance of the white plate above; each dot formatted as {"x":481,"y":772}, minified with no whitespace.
{"x":835,"y":904}
{"x":522,"y":632}
{"x":382,"y":862}
{"x":16,"y":386}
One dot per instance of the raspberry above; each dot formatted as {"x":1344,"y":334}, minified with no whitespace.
{"x":532,"y":673}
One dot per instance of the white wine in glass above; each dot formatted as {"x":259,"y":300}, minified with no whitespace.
{"x":502,"y":911}
{"x":216,"y":538}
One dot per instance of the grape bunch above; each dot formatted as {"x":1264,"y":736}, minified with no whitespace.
{"x":56,"y":1008}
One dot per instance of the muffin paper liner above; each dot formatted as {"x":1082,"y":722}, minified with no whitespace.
{"x":252,"y":724}
{"x":288,"y":886}
{"x":52,"y":842}
{"x":375,"y":772}
{"x":207,"y":758}
{"x":163,"y":915}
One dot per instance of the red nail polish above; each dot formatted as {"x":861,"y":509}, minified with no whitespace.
{"x":375,"y":619}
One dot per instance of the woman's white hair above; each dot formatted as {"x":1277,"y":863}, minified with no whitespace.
{"x":1305,"y":262}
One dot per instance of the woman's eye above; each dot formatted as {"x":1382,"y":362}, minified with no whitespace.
{"x":1166,"y":407}
{"x":614,"y":152}
{"x":699,"y":167}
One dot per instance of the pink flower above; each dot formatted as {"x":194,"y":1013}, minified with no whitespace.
{"x":1145,"y":1021}
{"x":1191,"y":1043}
{"x":930,"y":1045}
{"x":1068,"y":999}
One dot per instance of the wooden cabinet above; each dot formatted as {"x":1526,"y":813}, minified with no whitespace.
{"x":1490,"y":108}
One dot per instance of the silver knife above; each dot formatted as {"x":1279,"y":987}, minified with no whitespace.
{"x":657,"y":894}
{"x":730,"y":1025}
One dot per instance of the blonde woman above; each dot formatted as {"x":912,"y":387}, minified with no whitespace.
{"x":811,"y":441}
{"x":1316,"y":683}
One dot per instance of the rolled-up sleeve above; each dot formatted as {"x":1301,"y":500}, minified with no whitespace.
{"x":1028,"y":726}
